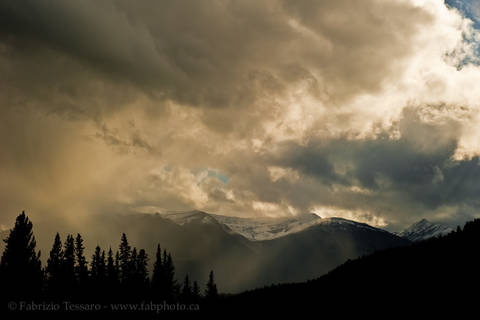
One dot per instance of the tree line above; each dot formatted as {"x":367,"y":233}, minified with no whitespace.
{"x":109,"y":276}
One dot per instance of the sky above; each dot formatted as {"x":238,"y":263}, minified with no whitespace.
{"x":367,"y":110}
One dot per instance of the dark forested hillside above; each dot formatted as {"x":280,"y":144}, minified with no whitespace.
{"x":432,"y":275}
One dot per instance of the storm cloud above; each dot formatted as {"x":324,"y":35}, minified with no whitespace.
{"x":366,"y":110}
{"x":222,"y":53}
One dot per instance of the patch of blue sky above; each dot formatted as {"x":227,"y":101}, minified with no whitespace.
{"x":220,"y":176}
{"x":471,"y":10}
{"x":202,"y":173}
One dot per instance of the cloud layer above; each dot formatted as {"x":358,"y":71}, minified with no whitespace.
{"x":366,"y":110}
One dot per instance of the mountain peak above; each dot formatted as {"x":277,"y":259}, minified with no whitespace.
{"x":423,"y":221}
{"x":187,"y":217}
{"x":424,"y":229}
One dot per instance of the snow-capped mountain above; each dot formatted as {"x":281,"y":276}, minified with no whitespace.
{"x":254,"y":229}
{"x":260,"y":229}
{"x":424,"y":229}
{"x":268,"y":228}
{"x":262,"y":251}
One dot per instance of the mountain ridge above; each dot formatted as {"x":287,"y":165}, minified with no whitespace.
{"x":199,"y":243}
{"x":423,"y":230}
{"x":405,"y":279}
{"x":261,"y":229}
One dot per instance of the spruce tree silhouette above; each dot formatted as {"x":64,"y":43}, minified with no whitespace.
{"x":158,"y":277}
{"x":196,"y":296}
{"x":103,"y":268}
{"x":55,"y":270}
{"x":211,"y":291}
{"x":69,"y":278}
{"x":141,"y":273}
{"x":117,"y":266}
{"x":98,"y":273}
{"x":21,"y":274}
{"x":186,"y":294}
{"x":131,"y":282}
{"x":112,"y":280}
{"x":125,"y":254}
{"x":170,"y":284}
{"x":81,"y":267}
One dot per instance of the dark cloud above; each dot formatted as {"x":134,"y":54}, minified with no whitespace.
{"x":220,"y":53}
{"x":414,"y":173}
{"x":120,"y":104}
{"x":135,"y":141}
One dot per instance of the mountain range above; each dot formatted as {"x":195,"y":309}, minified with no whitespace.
{"x":248,"y":252}
{"x":245,"y":253}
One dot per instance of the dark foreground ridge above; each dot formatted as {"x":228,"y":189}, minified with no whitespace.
{"x":432,"y":276}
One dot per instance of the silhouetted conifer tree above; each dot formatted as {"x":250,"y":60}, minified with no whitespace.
{"x":68,"y":269}
{"x":97,"y":268}
{"x":196,"y":293}
{"x":170,"y":284}
{"x":133,"y":266}
{"x":140,"y":279}
{"x":54,"y":270}
{"x":125,"y":260}
{"x":112,"y":271}
{"x":158,"y":276}
{"x":117,"y":264}
{"x":112,"y":281}
{"x":142,"y":264}
{"x":81,"y":265}
{"x":186,"y":294}
{"x":211,"y":292}
{"x":20,"y":268}
{"x":98,"y":273}
{"x":103,"y":268}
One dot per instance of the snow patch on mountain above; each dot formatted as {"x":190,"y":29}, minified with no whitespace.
{"x":182,"y":218}
{"x":260,"y":229}
{"x":423,"y":230}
